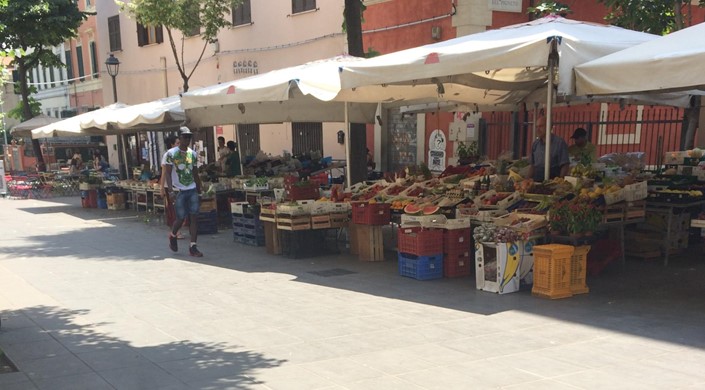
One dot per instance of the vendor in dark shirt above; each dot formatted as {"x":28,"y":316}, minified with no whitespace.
{"x":559,"y":161}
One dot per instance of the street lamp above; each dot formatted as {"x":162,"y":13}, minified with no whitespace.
{"x":113,"y":65}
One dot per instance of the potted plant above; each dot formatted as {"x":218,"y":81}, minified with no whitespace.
{"x":468,"y":153}
{"x":559,"y":217}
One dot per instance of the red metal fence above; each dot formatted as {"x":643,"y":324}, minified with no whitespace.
{"x":649,"y":129}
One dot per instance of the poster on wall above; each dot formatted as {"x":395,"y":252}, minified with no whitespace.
{"x":437,"y":151}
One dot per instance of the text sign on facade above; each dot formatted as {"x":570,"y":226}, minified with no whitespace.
{"x":505,"y":5}
{"x":245,"y":67}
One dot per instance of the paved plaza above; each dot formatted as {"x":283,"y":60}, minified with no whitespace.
{"x":93,"y":299}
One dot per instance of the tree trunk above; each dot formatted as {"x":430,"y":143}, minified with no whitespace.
{"x":358,"y":131}
{"x":692,"y":115}
{"x":27,"y":113}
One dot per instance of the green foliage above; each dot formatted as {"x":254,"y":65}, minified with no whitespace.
{"x":371,"y":52}
{"x":18,"y":112}
{"x":651,"y":16}
{"x":549,"y":7}
{"x":184,"y":15}
{"x":208,"y":16}
{"x":363,"y":7}
{"x":59,"y":21}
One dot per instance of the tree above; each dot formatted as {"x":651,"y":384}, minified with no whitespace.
{"x":549,"y":7}
{"x":352,"y":25}
{"x":185,"y":16}
{"x":658,"y":17}
{"x":31,"y":29}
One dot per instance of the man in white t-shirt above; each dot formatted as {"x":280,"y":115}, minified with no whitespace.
{"x":183,"y":186}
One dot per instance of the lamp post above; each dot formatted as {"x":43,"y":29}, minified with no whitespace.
{"x":113,"y":66}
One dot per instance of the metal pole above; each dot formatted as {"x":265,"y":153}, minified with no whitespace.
{"x":114,"y":90}
{"x":348,"y":177}
{"x":121,"y":136}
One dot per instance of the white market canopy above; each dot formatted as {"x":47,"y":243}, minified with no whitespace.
{"x":675,"y":62}
{"x":25,"y":128}
{"x":496,"y":68}
{"x":303,"y":93}
{"x":159,"y":114}
{"x":72,"y":127}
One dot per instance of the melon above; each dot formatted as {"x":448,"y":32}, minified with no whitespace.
{"x":412,"y":209}
{"x":431,"y":209}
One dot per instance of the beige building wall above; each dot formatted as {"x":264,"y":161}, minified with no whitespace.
{"x":275,"y":39}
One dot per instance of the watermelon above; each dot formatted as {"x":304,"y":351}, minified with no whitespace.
{"x":431,"y":209}
{"x":412,"y":209}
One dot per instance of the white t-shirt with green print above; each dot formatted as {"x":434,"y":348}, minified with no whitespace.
{"x":182,"y":166}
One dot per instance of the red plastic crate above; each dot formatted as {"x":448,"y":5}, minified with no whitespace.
{"x":320,"y":180}
{"x":457,"y":240}
{"x":302,"y":193}
{"x":457,"y":265}
{"x":420,"y":242}
{"x":372,"y":214}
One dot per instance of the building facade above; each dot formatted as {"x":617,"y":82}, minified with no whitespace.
{"x":265,"y":36}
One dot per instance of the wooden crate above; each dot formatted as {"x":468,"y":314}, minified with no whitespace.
{"x":339,"y":220}
{"x":635,"y":210}
{"x":293,"y":222}
{"x":370,"y":243}
{"x":613,"y":213}
{"x":272,"y":240}
{"x":353,"y":238}
{"x":267,"y":213}
{"x":207,"y":204}
{"x":320,"y":221}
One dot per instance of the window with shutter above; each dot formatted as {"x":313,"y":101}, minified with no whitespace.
{"x":306,"y":137}
{"x":94,"y":60}
{"x":69,"y":66}
{"x":79,"y":62}
{"x":148,"y":35}
{"x":242,"y":14}
{"x":114,"y":33}
{"x":302,"y":5}
{"x":248,"y":134}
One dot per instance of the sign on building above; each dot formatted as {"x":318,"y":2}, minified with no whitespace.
{"x":505,"y":5}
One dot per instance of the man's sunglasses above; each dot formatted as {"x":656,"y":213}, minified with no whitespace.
{"x":186,"y":135}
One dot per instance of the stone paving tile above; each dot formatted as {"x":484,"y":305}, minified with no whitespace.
{"x":87,"y":381}
{"x":385,"y":382}
{"x":306,"y":352}
{"x":26,"y":385}
{"x":544,"y":384}
{"x":12,"y":378}
{"x":292,"y":377}
{"x":545,"y":367}
{"x":146,"y":376}
{"x":52,"y":367}
{"x":35,"y":350}
{"x":342,"y":370}
{"x":24,"y":335}
{"x":113,"y":358}
{"x":392,"y":362}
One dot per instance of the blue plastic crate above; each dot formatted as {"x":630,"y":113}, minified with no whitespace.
{"x":421,"y":267}
{"x":207,"y":228}
{"x":256,"y":232}
{"x":249,"y":240}
{"x":208,"y":216}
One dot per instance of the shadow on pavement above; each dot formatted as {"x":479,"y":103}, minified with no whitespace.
{"x":40,"y":337}
{"x":646,"y":300}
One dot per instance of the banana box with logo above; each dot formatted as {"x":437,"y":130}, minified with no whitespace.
{"x":502,"y":267}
